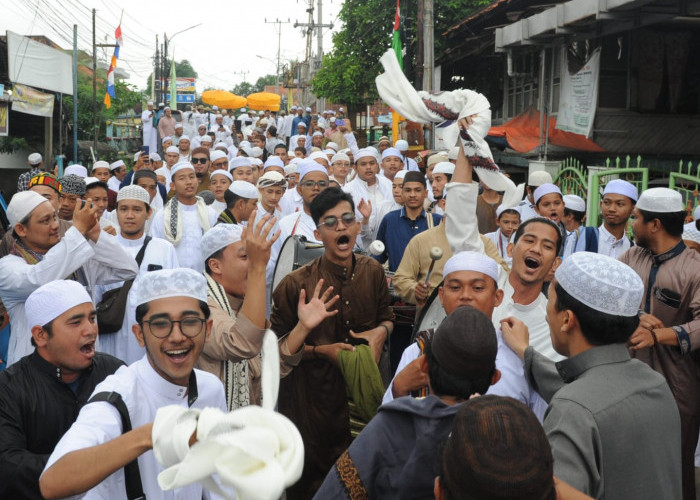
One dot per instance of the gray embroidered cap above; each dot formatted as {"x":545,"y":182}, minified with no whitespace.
{"x":166,"y":283}
{"x":602,"y":283}
{"x":219,"y":237}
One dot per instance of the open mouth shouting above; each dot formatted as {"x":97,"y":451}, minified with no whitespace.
{"x":178,"y":355}
{"x":532,"y":264}
{"x":88,"y":349}
{"x":343,"y":242}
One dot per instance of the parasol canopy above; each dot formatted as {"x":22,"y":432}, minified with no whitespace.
{"x":260,"y":101}
{"x":223,"y":99}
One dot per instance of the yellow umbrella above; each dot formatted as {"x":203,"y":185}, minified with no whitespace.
{"x":223,"y":99}
{"x":261,"y":101}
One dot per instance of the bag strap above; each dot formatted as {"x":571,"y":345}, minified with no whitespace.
{"x":142,"y":252}
{"x":132,"y":474}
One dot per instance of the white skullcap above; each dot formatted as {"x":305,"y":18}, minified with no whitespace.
{"x":160,"y":104}
{"x":573,"y":202}
{"x":185,"y":137}
{"x":166,"y":138}
{"x":545,"y":189}
{"x":308,"y":109}
{"x":661,"y":200}
{"x":301,"y":124}
{"x":134,"y":192}
{"x":244,"y":189}
{"x":172,"y":149}
{"x":155,"y":157}
{"x":256,"y":161}
{"x":217,"y":155}
{"x":183,"y":165}
{"x":49,"y":301}
{"x":437,"y":158}
{"x":332,"y":120}
{"x":538,"y":178}
{"x":401,"y":145}
{"x":75,"y":169}
{"x":100,"y":164}
{"x":391,"y":152}
{"x":696,"y":213}
{"x":215,"y":107}
{"x":150,"y":103}
{"x":205,"y":138}
{"x":332,"y":145}
{"x":244,"y":144}
{"x":329,"y":152}
{"x":444,"y":167}
{"x":453,"y":153}
{"x":274,"y":161}
{"x":91,"y":180}
{"x":255,"y":152}
{"x":690,"y":232}
{"x":293,"y":107}
{"x":602,"y":283}
{"x":618,"y":186}
{"x":22,"y":204}
{"x":502,"y":208}
{"x":367,"y":152}
{"x":34,"y":159}
{"x":221,"y":172}
{"x":219,"y":237}
{"x":318,"y":155}
{"x":400,"y":174}
{"x":339,"y":157}
{"x":317,"y":134}
{"x":178,"y":125}
{"x":166,"y":283}
{"x":116,"y":165}
{"x":272,"y":178}
{"x":239,"y":161}
{"x":471,"y":261}
{"x":221,"y":145}
{"x":307,"y":166}
{"x":202,"y":125}
{"x":167,"y":108}
{"x":340,"y":109}
{"x":290,"y":169}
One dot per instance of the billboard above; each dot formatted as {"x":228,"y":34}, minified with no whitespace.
{"x":31,"y":101}
{"x":183,"y":84}
{"x":182,"y":98}
{"x":33,"y":63}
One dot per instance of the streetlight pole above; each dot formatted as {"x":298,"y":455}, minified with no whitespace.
{"x":166,"y":70}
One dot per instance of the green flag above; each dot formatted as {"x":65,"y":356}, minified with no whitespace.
{"x":173,"y":86}
{"x":396,"y":41}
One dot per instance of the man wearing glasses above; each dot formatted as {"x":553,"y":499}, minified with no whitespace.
{"x":313,"y":395}
{"x":173,"y":325}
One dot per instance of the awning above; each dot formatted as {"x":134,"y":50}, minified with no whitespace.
{"x":522,"y":134}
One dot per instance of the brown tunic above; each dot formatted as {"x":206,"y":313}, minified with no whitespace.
{"x":486,"y":214}
{"x":313,"y":396}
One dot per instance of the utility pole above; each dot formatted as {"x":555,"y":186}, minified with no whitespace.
{"x":156,"y":74}
{"x":310,"y":27}
{"x":75,"y":97}
{"x":428,"y":57}
{"x":95,"y":45}
{"x":279,"y":47}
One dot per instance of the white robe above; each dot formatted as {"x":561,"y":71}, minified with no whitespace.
{"x":144,"y":392}
{"x":103,"y":262}
{"x":189,"y":248}
{"x":123,"y":344}
{"x":291,"y":202}
{"x":150,"y":133}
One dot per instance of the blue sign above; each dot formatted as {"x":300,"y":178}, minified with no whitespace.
{"x":182,"y":98}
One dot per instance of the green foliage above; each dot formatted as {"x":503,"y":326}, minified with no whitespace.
{"x":348,"y":71}
{"x":246,"y":88}
{"x":11,"y":144}
{"x":184,"y":69}
{"x":126,"y":98}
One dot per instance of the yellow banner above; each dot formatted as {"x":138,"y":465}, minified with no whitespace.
{"x":28,"y":100}
{"x":4,"y":118}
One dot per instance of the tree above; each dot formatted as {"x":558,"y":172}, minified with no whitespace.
{"x":183,"y":69}
{"x":246,"y":88}
{"x":348,"y":71}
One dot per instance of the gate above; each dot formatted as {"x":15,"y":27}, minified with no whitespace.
{"x":637,"y":175}
{"x":571,"y":178}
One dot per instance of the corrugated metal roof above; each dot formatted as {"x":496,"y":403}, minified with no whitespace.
{"x":476,"y":15}
{"x":647,"y":134}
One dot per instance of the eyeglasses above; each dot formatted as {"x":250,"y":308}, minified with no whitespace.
{"x":311,"y":184}
{"x":163,"y":327}
{"x":199,"y":160}
{"x":220,"y":163}
{"x":331,"y":222}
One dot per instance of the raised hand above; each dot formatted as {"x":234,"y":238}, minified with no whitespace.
{"x":311,"y":314}
{"x":257,"y":243}
{"x":365,"y":208}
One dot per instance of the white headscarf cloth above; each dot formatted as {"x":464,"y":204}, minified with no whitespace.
{"x":253,"y":450}
{"x":423,"y":107}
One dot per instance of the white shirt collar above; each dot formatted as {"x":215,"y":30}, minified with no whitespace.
{"x":156,"y":383}
{"x":609,"y":238}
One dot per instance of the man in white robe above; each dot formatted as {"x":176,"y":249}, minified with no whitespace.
{"x":150,"y":132}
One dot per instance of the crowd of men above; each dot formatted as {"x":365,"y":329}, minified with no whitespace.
{"x":566,"y":365}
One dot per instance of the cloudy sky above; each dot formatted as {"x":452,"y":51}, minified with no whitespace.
{"x":225,"y":45}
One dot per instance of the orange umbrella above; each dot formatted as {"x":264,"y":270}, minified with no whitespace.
{"x":223,"y":99}
{"x":261,"y":101}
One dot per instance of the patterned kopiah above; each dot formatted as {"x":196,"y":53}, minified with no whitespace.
{"x":167,"y":283}
{"x":602,"y":283}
